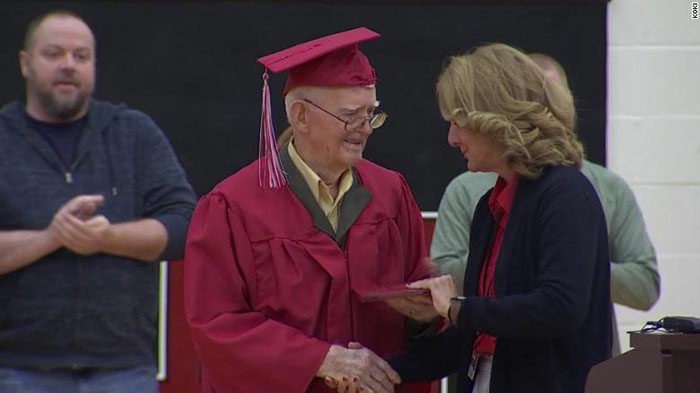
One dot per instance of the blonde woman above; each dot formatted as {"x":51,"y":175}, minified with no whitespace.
{"x":536,"y":312}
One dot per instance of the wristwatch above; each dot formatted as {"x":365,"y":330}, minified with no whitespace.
{"x":458,"y":299}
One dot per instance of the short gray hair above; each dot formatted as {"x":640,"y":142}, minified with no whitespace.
{"x":312,"y":93}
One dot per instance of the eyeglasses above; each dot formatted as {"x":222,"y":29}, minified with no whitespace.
{"x":375,"y":120}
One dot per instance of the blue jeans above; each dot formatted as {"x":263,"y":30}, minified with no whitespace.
{"x":90,"y":380}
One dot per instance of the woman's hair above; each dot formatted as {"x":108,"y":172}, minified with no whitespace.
{"x":498,"y":91}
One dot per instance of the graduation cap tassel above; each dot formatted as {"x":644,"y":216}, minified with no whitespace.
{"x":270,"y":171}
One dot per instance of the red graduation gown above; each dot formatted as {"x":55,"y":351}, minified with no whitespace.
{"x":268,"y":289}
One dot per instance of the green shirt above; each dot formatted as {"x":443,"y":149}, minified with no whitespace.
{"x":634,"y":276}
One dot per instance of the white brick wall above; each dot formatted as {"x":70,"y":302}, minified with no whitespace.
{"x":649,"y":150}
{"x":654,"y":80}
{"x":654,"y":140}
{"x":651,"y":23}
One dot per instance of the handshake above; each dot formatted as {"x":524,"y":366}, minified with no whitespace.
{"x":357,"y":369}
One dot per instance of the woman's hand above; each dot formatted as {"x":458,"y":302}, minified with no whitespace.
{"x":442,"y":288}
{"x":418,"y":307}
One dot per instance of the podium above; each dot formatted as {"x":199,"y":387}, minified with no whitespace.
{"x":658,"y":363}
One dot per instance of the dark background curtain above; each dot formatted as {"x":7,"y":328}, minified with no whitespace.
{"x":191,"y":66}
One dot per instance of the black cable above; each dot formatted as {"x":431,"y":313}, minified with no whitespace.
{"x":651,"y":326}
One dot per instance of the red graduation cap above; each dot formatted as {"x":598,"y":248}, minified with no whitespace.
{"x":333,"y":60}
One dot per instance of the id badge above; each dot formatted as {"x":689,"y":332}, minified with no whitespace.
{"x":473,"y":365}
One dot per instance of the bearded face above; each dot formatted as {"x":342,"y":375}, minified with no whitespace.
{"x":59,"y":69}
{"x":64,"y":97}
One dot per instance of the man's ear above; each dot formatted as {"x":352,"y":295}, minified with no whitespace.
{"x":24,"y":62}
{"x":298,"y":116}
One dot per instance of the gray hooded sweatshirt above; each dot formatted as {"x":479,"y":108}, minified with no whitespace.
{"x":71,"y":311}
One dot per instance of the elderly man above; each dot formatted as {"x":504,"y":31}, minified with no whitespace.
{"x":91,"y":194}
{"x":276,"y":277}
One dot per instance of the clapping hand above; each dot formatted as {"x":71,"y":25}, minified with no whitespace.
{"x":77,"y":228}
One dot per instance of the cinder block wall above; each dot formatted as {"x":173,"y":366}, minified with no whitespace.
{"x":653,"y":140}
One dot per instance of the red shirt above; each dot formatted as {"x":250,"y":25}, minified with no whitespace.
{"x":500,"y":201}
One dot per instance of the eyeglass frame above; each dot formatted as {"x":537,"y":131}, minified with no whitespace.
{"x":369,"y":120}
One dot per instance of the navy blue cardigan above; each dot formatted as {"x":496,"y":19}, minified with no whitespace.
{"x":551,"y":313}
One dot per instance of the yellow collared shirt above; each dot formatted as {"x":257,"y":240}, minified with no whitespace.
{"x":319,"y":189}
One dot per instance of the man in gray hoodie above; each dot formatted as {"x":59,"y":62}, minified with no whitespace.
{"x":91,"y":194}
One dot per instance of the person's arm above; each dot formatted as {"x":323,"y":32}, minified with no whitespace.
{"x":75,"y":227}
{"x":23,"y":247}
{"x":434,"y":357}
{"x":239,"y":348}
{"x":143,"y":239}
{"x":167,"y":197}
{"x":634,"y":275}
{"x":450,"y":245}
{"x":20,"y":248}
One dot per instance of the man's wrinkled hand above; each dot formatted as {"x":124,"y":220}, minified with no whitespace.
{"x":357,"y":369}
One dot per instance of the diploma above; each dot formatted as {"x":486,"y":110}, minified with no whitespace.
{"x":388,"y":292}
